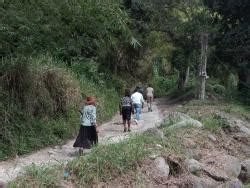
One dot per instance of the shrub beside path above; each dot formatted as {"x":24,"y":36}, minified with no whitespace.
{"x":111,"y":131}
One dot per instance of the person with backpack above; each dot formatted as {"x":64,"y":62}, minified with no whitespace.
{"x":126,"y":108}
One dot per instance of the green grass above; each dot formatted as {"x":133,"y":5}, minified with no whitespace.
{"x":27,"y":135}
{"x":172,"y":144}
{"x":201,"y":103}
{"x":213,"y":123}
{"x":238,"y":109}
{"x":105,"y":162}
{"x":200,"y":109}
{"x":39,"y":104}
{"x":38,"y":176}
{"x":247,"y":185}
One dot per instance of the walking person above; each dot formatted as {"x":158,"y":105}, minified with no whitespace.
{"x":138,"y":101}
{"x":150,"y":97}
{"x":126,"y":108}
{"x":88,"y":133}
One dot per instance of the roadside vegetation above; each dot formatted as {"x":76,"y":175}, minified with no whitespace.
{"x":40,"y":101}
{"x":104,"y":163}
{"x":54,"y":53}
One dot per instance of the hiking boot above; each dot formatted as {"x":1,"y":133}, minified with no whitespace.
{"x":80,"y":151}
{"x":129,"y":130}
{"x":136,"y":121}
{"x":125,"y":130}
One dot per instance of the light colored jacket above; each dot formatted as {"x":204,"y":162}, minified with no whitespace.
{"x":137,"y":98}
{"x":88,"y":115}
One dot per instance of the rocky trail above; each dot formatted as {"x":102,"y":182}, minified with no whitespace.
{"x":111,"y":131}
{"x":212,"y":159}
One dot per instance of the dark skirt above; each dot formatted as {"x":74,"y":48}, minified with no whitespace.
{"x":126,"y":112}
{"x":87,"y":137}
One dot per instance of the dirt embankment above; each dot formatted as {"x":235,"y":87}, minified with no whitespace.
{"x":215,"y":154}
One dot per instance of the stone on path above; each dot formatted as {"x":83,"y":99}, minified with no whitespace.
{"x":192,"y":165}
{"x":155,"y":132}
{"x":203,"y":183}
{"x":212,"y":137}
{"x":162,"y":166}
{"x":245,"y":171}
{"x":232,"y":166}
{"x":232,"y":184}
{"x":234,"y":124}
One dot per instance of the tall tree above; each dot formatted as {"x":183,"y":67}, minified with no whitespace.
{"x":233,"y":41}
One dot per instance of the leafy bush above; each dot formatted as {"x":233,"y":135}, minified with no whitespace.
{"x":88,"y":69}
{"x":40,"y":89}
{"x":163,"y":85}
{"x":75,"y":29}
{"x":219,"y":89}
{"x":39,"y":103}
{"x":36,"y":103}
{"x":209,"y":87}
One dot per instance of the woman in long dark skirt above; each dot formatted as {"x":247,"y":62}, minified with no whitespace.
{"x":88,"y":134}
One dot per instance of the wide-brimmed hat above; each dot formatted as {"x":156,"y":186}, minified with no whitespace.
{"x":90,"y":100}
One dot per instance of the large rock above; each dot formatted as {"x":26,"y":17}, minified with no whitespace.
{"x":155,"y":132}
{"x":186,"y":123}
{"x":177,"y":116}
{"x":162,"y":166}
{"x":179,"y":120}
{"x":192,"y":165}
{"x":232,"y":166}
{"x":234,"y":124}
{"x":246,"y":150}
{"x":203,"y":183}
{"x":245,"y":171}
{"x":232,"y":184}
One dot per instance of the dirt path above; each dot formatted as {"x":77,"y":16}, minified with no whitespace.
{"x":111,"y":131}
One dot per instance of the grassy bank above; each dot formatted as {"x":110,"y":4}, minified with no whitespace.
{"x":105,"y":163}
{"x":39,"y":102}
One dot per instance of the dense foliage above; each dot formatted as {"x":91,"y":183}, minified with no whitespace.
{"x":40,"y":101}
{"x":51,"y":55}
{"x":55,"y":52}
{"x":172,"y":33}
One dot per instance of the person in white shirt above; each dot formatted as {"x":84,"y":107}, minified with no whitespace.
{"x":138,"y":101}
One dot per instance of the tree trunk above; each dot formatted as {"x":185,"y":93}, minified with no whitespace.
{"x":183,"y":78}
{"x":202,"y":67}
{"x":186,"y":77}
{"x":118,"y":62}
